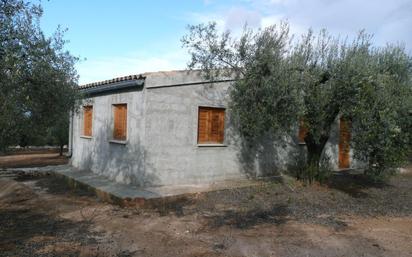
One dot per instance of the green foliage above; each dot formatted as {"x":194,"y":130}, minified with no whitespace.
{"x":325,"y":74}
{"x":382,"y":114}
{"x":316,"y":79}
{"x":217,"y":54}
{"x":60,"y":131}
{"x":37,"y":76}
{"x":264,"y":91}
{"x":260,"y":98}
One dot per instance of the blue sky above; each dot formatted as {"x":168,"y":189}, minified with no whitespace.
{"x":124,"y":37}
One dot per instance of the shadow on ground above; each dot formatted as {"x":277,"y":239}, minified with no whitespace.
{"x":354,"y":185}
{"x":244,"y":220}
{"x":54,"y":184}
{"x":25,"y":231}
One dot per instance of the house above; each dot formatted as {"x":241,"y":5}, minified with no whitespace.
{"x":173,"y":128}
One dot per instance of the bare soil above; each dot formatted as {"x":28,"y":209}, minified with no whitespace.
{"x":32,"y":159}
{"x":350,"y":216}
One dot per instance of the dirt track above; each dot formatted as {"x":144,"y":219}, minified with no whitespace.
{"x":41,"y":216}
{"x":35,"y":159}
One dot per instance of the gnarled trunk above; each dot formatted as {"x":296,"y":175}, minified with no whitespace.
{"x":315,"y":150}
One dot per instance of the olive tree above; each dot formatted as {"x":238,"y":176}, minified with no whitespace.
{"x":263,"y":90}
{"x":382,"y":113}
{"x":329,"y":73}
{"x":314,"y":80}
{"x":59,"y":132}
{"x":37,"y":75}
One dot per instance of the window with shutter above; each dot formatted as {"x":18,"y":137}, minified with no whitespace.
{"x":211,"y":125}
{"x":303,"y":130}
{"x":120,"y":121}
{"x":87,"y":120}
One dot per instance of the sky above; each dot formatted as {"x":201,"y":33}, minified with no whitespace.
{"x":123,"y":37}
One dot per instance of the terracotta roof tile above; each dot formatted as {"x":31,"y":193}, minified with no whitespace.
{"x":111,"y":81}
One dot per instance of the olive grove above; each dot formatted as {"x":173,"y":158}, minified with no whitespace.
{"x":37,"y":75}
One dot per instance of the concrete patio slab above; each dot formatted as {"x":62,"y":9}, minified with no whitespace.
{"x":111,"y":191}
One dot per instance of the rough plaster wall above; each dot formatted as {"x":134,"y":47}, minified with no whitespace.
{"x":122,"y":163}
{"x":162,"y":145}
{"x":171,"y":135}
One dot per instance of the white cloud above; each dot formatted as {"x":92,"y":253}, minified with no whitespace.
{"x":237,"y":17}
{"x":389,"y":21}
{"x":109,"y":67}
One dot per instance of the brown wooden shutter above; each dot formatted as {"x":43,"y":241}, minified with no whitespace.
{"x":214,"y":130}
{"x":120,"y":122}
{"x":221,"y":131}
{"x":87,"y":120}
{"x":203,"y":125}
{"x":303,"y":130}
{"x":211,"y":125}
{"x":124,"y":121}
{"x":344,"y":143}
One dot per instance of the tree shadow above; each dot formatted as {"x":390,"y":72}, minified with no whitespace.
{"x":24,"y":231}
{"x":167,"y":205}
{"x":53,"y":184}
{"x":122,"y":163}
{"x":264,"y":156}
{"x":277,"y":214}
{"x":58,"y":185}
{"x":354,"y":184}
{"x":261,"y":157}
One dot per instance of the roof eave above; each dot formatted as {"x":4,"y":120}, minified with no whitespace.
{"x":122,"y":85}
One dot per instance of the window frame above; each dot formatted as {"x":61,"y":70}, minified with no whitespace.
{"x":211,"y":143}
{"x":83,"y":130}
{"x":126,"y":132}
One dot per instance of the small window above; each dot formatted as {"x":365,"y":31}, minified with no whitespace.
{"x":303,"y":130}
{"x":87,"y":120}
{"x":211,"y":125}
{"x":120,"y":121}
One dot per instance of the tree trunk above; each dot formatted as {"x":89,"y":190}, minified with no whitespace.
{"x":314,"y":154}
{"x":61,"y":150}
{"x":315,"y":150}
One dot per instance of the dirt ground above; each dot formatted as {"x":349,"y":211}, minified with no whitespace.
{"x":350,"y":216}
{"x":32,"y":159}
{"x":35,"y":159}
